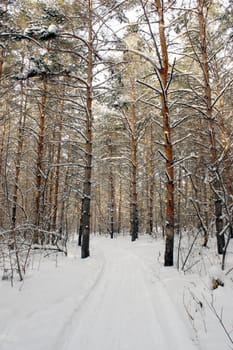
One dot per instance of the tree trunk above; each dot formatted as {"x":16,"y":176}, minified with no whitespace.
{"x":64,"y":198}
{"x":39,"y":205}
{"x":134,"y":196}
{"x":168,"y":151}
{"x":86,"y":201}
{"x":57,"y":171}
{"x":50,"y":189}
{"x":20,"y":138}
{"x":112,"y":203}
{"x":112,"y":197}
{"x":2,"y":149}
{"x":151,"y":181}
{"x":2,"y":58}
{"x":211,"y":121}
{"x":119,"y":217}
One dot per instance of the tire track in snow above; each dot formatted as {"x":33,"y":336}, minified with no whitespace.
{"x":124,"y":310}
{"x":119,"y":315}
{"x":166,"y":311}
{"x":67,"y":329}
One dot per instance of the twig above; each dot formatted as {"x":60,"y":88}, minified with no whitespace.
{"x":227,"y":273}
{"x":219,"y":317}
{"x":190,"y":250}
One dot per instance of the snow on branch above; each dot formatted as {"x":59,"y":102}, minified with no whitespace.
{"x":221,"y":93}
{"x":148,"y":85}
{"x":180,"y":140}
{"x":141,"y":54}
{"x":41,"y":32}
{"x":195,"y":107}
{"x":171,"y":76}
{"x":150,"y":104}
{"x":163,"y":155}
{"x":180,"y":121}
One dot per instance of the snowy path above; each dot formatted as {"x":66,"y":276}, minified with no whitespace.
{"x":125,"y":310}
{"x":121,"y":298}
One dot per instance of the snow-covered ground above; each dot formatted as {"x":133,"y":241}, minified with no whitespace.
{"x":121,"y":298}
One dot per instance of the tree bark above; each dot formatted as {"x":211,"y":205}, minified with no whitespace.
{"x":111,"y":192}
{"x":168,"y":150}
{"x":39,"y":205}
{"x":209,"y":112}
{"x":151,"y":181}
{"x":2,"y":58}
{"x":119,"y":216}
{"x":86,"y":201}
{"x":57,"y":171}
{"x":20,"y":138}
{"x":133,"y":190}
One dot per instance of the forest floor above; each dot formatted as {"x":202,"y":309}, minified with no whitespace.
{"x":121,"y":298}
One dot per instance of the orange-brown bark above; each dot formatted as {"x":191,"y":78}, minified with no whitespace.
{"x":209,"y":113}
{"x":168,"y":151}
{"x":39,"y":205}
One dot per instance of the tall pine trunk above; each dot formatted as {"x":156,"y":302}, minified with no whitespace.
{"x":119,"y":206}
{"x":20,"y":140}
{"x":163,"y":75}
{"x":57,"y":171}
{"x":211,"y":122}
{"x":86,"y":200}
{"x":133,"y":189}
{"x":112,"y":191}
{"x":151,"y":183}
{"x":39,"y":205}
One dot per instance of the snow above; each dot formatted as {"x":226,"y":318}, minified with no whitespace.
{"x":216,"y":273}
{"x":52,"y":29}
{"x":40,"y":31}
{"x":121,"y":298}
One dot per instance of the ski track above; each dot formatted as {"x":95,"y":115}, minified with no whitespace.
{"x":123,"y":311}
{"x":69,"y":325}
